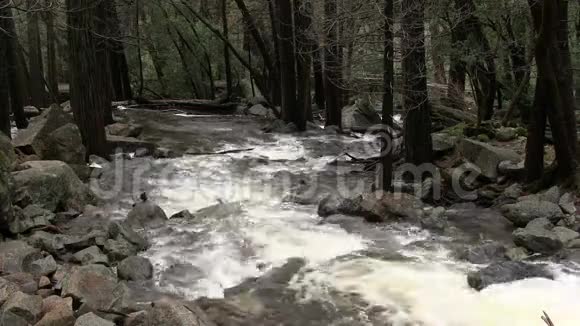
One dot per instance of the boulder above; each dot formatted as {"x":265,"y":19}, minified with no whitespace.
{"x":172,"y":313}
{"x":28,"y":307}
{"x":128,"y":144}
{"x":565,"y":235}
{"x":124,"y":130}
{"x":261,"y":111}
{"x":7,"y":289}
{"x":514,"y":191}
{"x":486,"y":157}
{"x":517,"y":254}
{"x":44,"y":267}
{"x":96,"y":287}
{"x":164,"y":152}
{"x":539,"y":237}
{"x":25,"y":281}
{"x":512,"y":169}
{"x":360,"y":116}
{"x":49,"y":242}
{"x":484,"y":253}
{"x":146,"y":214}
{"x":506,"y":272}
{"x":59,"y":315}
{"x":137,"y":319}
{"x":53,"y":185}
{"x":523,"y":212}
{"x":568,"y":203}
{"x":16,"y":256}
{"x":7,"y":162}
{"x":185,"y":214}
{"x":91,"y":319}
{"x":36,"y":138}
{"x":44,"y":282}
{"x":7,"y":155}
{"x":65,"y":144}
{"x":31,"y":111}
{"x":121,"y":230}
{"x":219,"y":211}
{"x":119,"y":249}
{"x":443,"y":143}
{"x":506,"y":134}
{"x":32,"y":216}
{"x":89,"y":256}
{"x":55,"y":301}
{"x":135,"y":268}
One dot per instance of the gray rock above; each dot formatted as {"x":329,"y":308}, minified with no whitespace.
{"x":52,"y":243}
{"x":487,"y":157}
{"x":91,"y":255}
{"x":360,"y":117}
{"x":484,"y":254}
{"x":506,"y":134}
{"x":124,"y":130}
{"x":7,"y":289}
{"x":505,"y":272}
{"x":137,"y":319}
{"x":91,"y":319}
{"x":171,"y":313}
{"x":119,"y":249}
{"x":568,"y":203}
{"x":552,"y":195}
{"x":443,"y":143}
{"x":52,"y":185}
{"x":31,"y":111}
{"x":7,"y":163}
{"x":163,"y":152}
{"x":523,"y":212}
{"x":123,"y":230}
{"x":538,"y":237}
{"x":436,"y":220}
{"x":60,"y":314}
{"x":185,"y":214}
{"x":31,"y":217}
{"x":7,"y":154}
{"x":129,"y":144}
{"x":28,"y":307}
{"x":25,"y":281}
{"x":16,"y":256}
{"x":260,"y":111}
{"x":514,"y":191}
{"x":44,"y":267}
{"x":96,"y":287}
{"x":9,"y":318}
{"x":146,"y":215}
{"x":219,"y":211}
{"x":517,"y":254}
{"x":135,"y":268}
{"x":512,"y":169}
{"x":44,"y":282}
{"x":565,"y":235}
{"x":65,"y":144}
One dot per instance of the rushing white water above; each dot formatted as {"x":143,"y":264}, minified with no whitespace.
{"x":430,"y":289}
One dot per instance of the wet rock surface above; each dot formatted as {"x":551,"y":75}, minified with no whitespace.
{"x":506,"y":272}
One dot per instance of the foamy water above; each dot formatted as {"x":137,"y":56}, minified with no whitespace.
{"x":431,"y":289}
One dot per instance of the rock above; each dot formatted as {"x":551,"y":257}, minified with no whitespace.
{"x":506,"y":272}
{"x":281,"y":127}
{"x":565,"y":235}
{"x":511,"y":169}
{"x":568,"y":203}
{"x":185,"y":214}
{"x":45,"y":293}
{"x":44,"y":282}
{"x":28,"y":307}
{"x":360,"y":116}
{"x":31,"y":217}
{"x":523,"y":212}
{"x":119,"y":249}
{"x":96,"y":287}
{"x":443,"y":143}
{"x":506,"y":134}
{"x":135,"y":268}
{"x":487,"y":157}
{"x":142,"y":152}
{"x":7,"y":163}
{"x":59,"y":314}
{"x":52,"y":302}
{"x":436,"y":220}
{"x":260,"y":111}
{"x":16,"y":256}
{"x":146,"y":215}
{"x":128,"y":144}
{"x":65,"y":144}
{"x":44,"y":267}
{"x":121,"y":230}
{"x":26,"y":282}
{"x":137,"y":319}
{"x":7,"y":289}
{"x":514,"y":191}
{"x":52,"y":243}
{"x":31,"y":111}
{"x":11,"y":319}
{"x":517,"y":254}
{"x":552,"y":195}
{"x":484,"y":254}
{"x":171,"y":313}
{"x":538,"y":237}
{"x":89,"y":256}
{"x":124,"y":130}
{"x":219,"y":211}
{"x":53,"y":185}
{"x":7,"y":155}
{"x":91,"y":319}
{"x":36,"y":138}
{"x":162,"y":152}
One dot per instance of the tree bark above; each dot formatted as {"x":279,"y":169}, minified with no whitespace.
{"x":87,"y":101}
{"x":4,"y":87}
{"x":319,"y":98}
{"x":227,"y":61}
{"x":52,"y":79}
{"x":304,"y":46}
{"x":417,"y":134}
{"x":37,"y":89}
{"x":457,"y":68}
{"x":388,"y":98}
{"x":120,"y":80}
{"x":332,"y":66}
{"x":104,"y":76}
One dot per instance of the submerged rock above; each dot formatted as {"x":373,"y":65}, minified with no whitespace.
{"x":484,"y":254}
{"x":506,"y":272}
{"x":219,"y":211}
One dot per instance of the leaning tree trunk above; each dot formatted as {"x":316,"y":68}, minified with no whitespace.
{"x":16,"y":80}
{"x":418,"y":143}
{"x":388,"y":98}
{"x":37,"y":89}
{"x":304,"y":45}
{"x":554,"y":90}
{"x":332,"y":66}
{"x":87,"y":98}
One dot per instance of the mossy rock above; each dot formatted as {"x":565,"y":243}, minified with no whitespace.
{"x":483,"y":138}
{"x":456,"y":131}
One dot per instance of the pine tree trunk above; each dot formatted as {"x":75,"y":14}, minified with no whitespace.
{"x":120,"y":80}
{"x":103,"y":59}
{"x":418,"y":143}
{"x":457,"y":69}
{"x":52,"y":78}
{"x":37,"y":89}
{"x":4,"y":87}
{"x":302,"y":14}
{"x":275,"y":89}
{"x":319,"y":98}
{"x":87,"y":100}
{"x":290,"y":111}
{"x":228,"y":65}
{"x":388,"y":98}
{"x":332,"y":66}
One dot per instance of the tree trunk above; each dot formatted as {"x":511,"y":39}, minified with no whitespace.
{"x":4,"y":87}
{"x":290,"y":111}
{"x":104,"y":76}
{"x":418,"y":143}
{"x":534,"y":162}
{"x":52,"y":71}
{"x":139,"y":51}
{"x":227,"y":61}
{"x":304,"y":45}
{"x":276,"y":92}
{"x":87,"y":100}
{"x":332,"y":66}
{"x":120,"y":80}
{"x":388,"y":98}
{"x":554,"y":91}
{"x":318,"y":78}
{"x":457,"y":69}
{"x":16,"y":78}
{"x":37,"y":89}
{"x":436,"y":31}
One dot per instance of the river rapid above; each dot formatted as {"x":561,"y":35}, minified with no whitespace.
{"x":404,"y":275}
